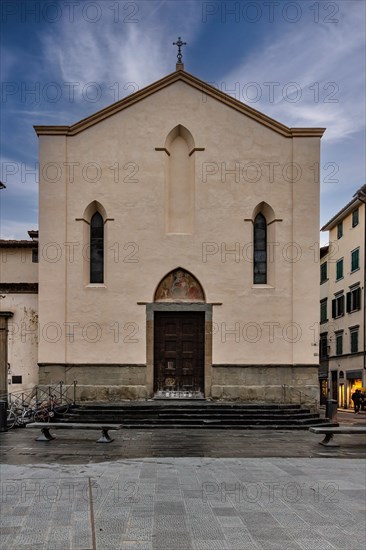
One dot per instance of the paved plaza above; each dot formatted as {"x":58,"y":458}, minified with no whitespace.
{"x":171,"y":490}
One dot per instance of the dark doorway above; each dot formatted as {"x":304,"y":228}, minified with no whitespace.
{"x":335,"y":385}
{"x":179,"y":353}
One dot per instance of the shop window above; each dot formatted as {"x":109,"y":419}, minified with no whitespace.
{"x":324,"y":310}
{"x":355,"y":259}
{"x":354,"y":340}
{"x":355,"y":218}
{"x":323,"y":272}
{"x":339,"y":269}
{"x":338,"y":306}
{"x":339,"y":343}
{"x":354,"y":300}
{"x":16,"y":379}
{"x":340,"y":230}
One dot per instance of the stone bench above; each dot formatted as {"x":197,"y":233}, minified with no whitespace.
{"x":46,"y":436}
{"x":330,"y":431}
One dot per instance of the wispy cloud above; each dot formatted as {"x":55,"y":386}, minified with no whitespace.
{"x":138,"y":53}
{"x":325,"y":63}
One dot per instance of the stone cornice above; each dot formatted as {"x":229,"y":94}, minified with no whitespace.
{"x":196,"y":83}
{"x":19,"y":288}
{"x":4,"y":243}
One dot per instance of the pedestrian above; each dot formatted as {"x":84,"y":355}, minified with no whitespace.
{"x":363,"y":401}
{"x":356,"y":398}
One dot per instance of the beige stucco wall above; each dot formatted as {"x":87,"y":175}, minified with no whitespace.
{"x":272,"y":323}
{"x":16,"y":266}
{"x":22,"y":340}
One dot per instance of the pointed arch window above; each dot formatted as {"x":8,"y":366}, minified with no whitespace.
{"x":260,"y":250}
{"x":97,"y":249}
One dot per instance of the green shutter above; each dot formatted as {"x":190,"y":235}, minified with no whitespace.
{"x":355,"y":260}
{"x":339,"y":269}
{"x":357,"y":299}
{"x":349,"y":302}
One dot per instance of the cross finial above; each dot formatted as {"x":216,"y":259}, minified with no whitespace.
{"x":179,"y":43}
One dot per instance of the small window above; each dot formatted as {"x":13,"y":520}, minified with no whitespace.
{"x":338,"y":306}
{"x":339,"y":269}
{"x":339,"y":343}
{"x":355,"y":218}
{"x":323,"y":310}
{"x":35,"y":255}
{"x":340,"y":230}
{"x":341,"y":374}
{"x":323,"y":272}
{"x":354,"y":300}
{"x":354,"y":340}
{"x":260,"y":250}
{"x":355,"y":259}
{"x":16,"y":379}
{"x":97,"y":249}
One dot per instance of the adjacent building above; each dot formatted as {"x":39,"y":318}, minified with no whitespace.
{"x":19,"y":313}
{"x":342,"y":303}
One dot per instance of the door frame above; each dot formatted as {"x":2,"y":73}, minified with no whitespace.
{"x":176,"y":307}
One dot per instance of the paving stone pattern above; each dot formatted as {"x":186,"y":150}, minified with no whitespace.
{"x":185,"y":504}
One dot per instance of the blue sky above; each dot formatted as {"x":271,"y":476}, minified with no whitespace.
{"x":302,"y":63}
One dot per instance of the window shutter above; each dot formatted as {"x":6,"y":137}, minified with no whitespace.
{"x":349,"y":298}
{"x":334,"y":308}
{"x":357,"y":300}
{"x":341,"y":305}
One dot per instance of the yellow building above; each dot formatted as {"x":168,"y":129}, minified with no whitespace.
{"x":342,"y":306}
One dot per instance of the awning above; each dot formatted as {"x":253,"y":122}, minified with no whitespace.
{"x":351,"y":374}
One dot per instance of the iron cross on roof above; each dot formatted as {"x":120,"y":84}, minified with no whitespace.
{"x":179,"y":43}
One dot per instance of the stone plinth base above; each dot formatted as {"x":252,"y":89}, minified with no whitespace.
{"x":100,"y":383}
{"x":292,"y":384}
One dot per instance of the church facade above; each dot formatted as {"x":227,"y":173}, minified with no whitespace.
{"x":178,"y":253}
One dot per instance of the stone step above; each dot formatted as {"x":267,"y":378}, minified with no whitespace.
{"x":197,"y":415}
{"x":180,"y":404}
{"x":182,"y":416}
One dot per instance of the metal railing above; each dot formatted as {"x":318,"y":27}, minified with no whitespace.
{"x":64,"y":393}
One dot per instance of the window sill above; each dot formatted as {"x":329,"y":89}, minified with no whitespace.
{"x":324,"y":281}
{"x":95,"y":285}
{"x":259,"y":285}
{"x":340,"y":279}
{"x":354,"y":270}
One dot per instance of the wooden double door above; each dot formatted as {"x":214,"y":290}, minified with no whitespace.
{"x":179,"y":351}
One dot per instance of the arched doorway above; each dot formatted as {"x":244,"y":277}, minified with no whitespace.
{"x":179,"y":337}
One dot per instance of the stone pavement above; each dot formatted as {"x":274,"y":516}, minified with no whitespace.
{"x":169,"y":490}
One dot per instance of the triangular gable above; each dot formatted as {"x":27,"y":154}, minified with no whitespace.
{"x":178,"y":75}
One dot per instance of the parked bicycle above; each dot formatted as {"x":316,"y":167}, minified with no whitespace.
{"x":19,"y":414}
{"x":49,"y":409}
